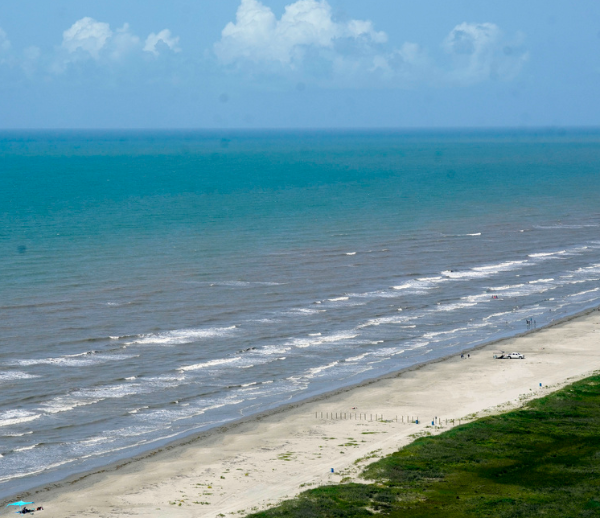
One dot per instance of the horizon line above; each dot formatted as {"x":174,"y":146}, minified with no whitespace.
{"x":548,"y":128}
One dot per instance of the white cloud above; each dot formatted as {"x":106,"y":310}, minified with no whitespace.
{"x":5,"y":49}
{"x":358,"y":28}
{"x":307,"y":42}
{"x":4,"y":41}
{"x":87,"y":35}
{"x":258,"y":36}
{"x":88,"y":39}
{"x":410,"y":63}
{"x":123,"y":42}
{"x":164,"y":37}
{"x":479,"y":52}
{"x":31,"y":55}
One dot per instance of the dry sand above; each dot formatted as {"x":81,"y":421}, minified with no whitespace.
{"x":255,"y":464}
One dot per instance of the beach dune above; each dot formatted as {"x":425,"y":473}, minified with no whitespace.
{"x":256,"y":463}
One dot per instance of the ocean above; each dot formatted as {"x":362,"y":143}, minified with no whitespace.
{"x":157,"y":284}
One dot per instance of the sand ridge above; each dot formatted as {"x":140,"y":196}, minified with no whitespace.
{"x":262,"y":461}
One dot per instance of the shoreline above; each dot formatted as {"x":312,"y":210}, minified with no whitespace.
{"x":206,"y":439}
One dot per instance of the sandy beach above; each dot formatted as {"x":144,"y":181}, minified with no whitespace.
{"x":257,"y":463}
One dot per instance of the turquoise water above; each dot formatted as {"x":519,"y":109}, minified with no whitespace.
{"x":154,"y":284}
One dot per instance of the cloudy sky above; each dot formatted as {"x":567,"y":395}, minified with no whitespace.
{"x":299,"y":63}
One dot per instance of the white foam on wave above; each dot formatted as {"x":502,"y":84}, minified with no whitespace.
{"x":584,"y":292}
{"x":311,"y":373}
{"x":397,"y":319}
{"x":26,"y":448}
{"x":416,"y":345}
{"x":94,"y":440}
{"x":15,"y":376}
{"x":13,"y":417}
{"x":303,"y":343}
{"x":244,"y":284}
{"x":93,"y":395}
{"x":303,"y":311}
{"x":165,"y":416}
{"x":24,"y":473}
{"x":515,"y":290}
{"x":388,"y":352}
{"x":357,"y":358}
{"x":351,"y":253}
{"x":273,"y":349}
{"x":416,"y":286}
{"x":338,"y":299}
{"x":435,"y":334}
{"x":211,"y":363}
{"x":136,"y":410}
{"x":582,"y":275}
{"x":182,"y":336}
{"x":565,"y":227}
{"x":574,"y":250}
{"x":577,"y":250}
{"x":507,"y":287}
{"x":547,"y":254}
{"x":75,"y":360}
{"x":593,"y":269}
{"x":481,"y":297}
{"x":96,"y":394}
{"x":495,"y":315}
{"x":61,"y":404}
{"x":480,"y":272}
{"x":435,"y":279}
{"x":377,"y":294}
{"x":455,"y":306}
{"x":245,"y":359}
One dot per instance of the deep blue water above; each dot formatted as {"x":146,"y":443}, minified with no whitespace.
{"x":154,"y":284}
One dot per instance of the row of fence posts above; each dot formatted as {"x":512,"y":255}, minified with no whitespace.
{"x":341,"y":416}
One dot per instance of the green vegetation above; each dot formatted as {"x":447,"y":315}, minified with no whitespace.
{"x":286,"y":456}
{"x":542,"y":460}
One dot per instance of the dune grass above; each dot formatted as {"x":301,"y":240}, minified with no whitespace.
{"x":541,"y":460}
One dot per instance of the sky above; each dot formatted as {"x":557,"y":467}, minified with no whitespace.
{"x":299,"y":64}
